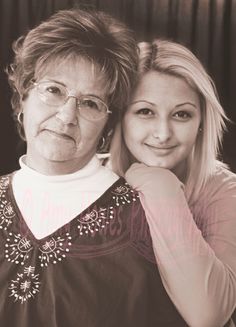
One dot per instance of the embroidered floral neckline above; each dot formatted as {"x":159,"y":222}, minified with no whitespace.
{"x":55,"y":247}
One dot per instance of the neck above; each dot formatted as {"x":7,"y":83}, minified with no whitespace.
{"x":181,"y":171}
{"x":50,"y":167}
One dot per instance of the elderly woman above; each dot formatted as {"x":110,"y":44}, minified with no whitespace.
{"x":75,"y":244}
{"x":174,"y":125}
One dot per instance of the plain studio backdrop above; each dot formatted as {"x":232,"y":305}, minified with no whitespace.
{"x":207,"y":27}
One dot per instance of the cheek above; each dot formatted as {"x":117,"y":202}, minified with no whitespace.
{"x":91,"y":131}
{"x":28,"y":120}
{"x":32,"y":123}
{"x":189,"y":136}
{"x":34,"y":114}
{"x":130,"y":136}
{"x":187,"y":131}
{"x":132,"y":130}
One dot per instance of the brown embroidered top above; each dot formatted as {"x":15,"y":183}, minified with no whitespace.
{"x":97,"y":270}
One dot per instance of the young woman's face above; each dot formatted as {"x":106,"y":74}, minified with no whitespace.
{"x":162,"y":122}
{"x":57,"y":136}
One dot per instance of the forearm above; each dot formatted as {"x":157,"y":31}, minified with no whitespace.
{"x":201,"y":286}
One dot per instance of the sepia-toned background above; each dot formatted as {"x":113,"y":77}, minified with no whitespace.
{"x":207,"y":27}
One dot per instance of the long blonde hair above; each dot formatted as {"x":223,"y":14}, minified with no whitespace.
{"x":174,"y":59}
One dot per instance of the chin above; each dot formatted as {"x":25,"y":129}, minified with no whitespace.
{"x":57,"y":156}
{"x":157,"y":163}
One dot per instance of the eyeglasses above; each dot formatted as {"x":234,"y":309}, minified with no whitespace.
{"x":55,"y":94}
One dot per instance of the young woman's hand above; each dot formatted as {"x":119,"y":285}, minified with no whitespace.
{"x":153,"y":181}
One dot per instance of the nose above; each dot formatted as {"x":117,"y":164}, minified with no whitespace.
{"x":162,"y":130}
{"x":68,"y":112}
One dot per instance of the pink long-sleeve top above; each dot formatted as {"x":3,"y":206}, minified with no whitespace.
{"x":195,"y":247}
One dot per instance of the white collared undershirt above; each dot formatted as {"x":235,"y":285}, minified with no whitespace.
{"x":49,"y":202}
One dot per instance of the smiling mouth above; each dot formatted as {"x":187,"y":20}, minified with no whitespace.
{"x":161,"y":150}
{"x":160,"y":147}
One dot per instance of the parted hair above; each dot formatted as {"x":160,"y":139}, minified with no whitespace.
{"x":93,"y":35}
{"x":171,"y":58}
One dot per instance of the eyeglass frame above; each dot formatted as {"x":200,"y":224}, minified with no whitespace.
{"x":70,"y":94}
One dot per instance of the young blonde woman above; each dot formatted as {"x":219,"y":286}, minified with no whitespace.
{"x":170,"y":136}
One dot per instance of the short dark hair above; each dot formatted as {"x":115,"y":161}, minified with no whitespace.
{"x":93,"y":35}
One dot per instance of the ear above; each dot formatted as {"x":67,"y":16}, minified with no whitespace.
{"x":20,"y":124}
{"x":104,"y":142}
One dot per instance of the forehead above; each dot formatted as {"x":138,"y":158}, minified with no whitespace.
{"x":76,"y":74}
{"x":155,"y":85}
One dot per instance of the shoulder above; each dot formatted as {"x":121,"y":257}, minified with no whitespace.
{"x":217,"y":198}
{"x":108,"y":173}
{"x":122,"y":193}
{"x":133,"y":213}
{"x":103,"y":179}
{"x":220,"y":188}
{"x":223,"y":181}
{"x":5,"y":180}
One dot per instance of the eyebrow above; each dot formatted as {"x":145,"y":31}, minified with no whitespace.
{"x":186,"y":103}
{"x":55,"y":81}
{"x":134,"y":102}
{"x":153,"y":104}
{"x":87,"y":94}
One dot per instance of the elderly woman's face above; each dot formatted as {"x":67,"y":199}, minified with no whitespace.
{"x":162,"y":122}
{"x":58,"y":137}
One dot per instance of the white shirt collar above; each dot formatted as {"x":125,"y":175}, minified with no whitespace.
{"x":92,"y":166}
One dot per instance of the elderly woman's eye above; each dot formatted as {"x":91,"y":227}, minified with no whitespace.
{"x":53,"y":89}
{"x":90,"y":104}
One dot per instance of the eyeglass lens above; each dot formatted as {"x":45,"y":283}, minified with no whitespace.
{"x":55,"y":94}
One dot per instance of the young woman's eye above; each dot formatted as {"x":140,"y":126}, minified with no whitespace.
{"x":184,"y":115}
{"x":145,"y":112}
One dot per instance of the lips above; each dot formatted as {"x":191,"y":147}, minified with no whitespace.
{"x":160,"y":150}
{"x":158,"y":147}
{"x":60,"y":135}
